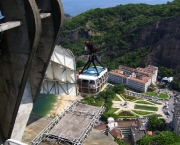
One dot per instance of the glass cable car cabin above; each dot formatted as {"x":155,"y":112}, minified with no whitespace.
{"x":89,"y":82}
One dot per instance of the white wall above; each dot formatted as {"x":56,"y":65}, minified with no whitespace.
{"x":61,"y":73}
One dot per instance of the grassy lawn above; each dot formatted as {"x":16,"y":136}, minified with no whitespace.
{"x":150,"y":93}
{"x":136,"y":99}
{"x":163,"y":96}
{"x":143,"y":102}
{"x":126,"y":113}
{"x":116,"y":98}
{"x":142,"y":107}
{"x":129,"y":98}
{"x":126,"y":117}
{"x":141,"y":112}
{"x":156,"y":102}
{"x":112,"y":110}
{"x":158,"y":115}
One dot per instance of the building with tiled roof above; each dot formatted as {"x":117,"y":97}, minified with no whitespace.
{"x":116,"y":133}
{"x":140,"y":130}
{"x":138,"y":79}
{"x":126,"y":129}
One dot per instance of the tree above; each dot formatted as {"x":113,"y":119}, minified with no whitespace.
{"x":106,"y":115}
{"x":166,"y":138}
{"x":151,"y":88}
{"x":166,"y":72}
{"x":156,"y":124}
{"x":120,"y":141}
{"x":162,"y":86}
{"x":80,"y":63}
{"x":176,"y":143}
{"x":119,"y":89}
{"x":176,"y":84}
{"x":146,"y":140}
{"x":163,"y":138}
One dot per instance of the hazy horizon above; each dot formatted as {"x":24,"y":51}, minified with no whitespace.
{"x":75,"y":7}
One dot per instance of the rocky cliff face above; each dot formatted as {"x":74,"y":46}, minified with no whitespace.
{"x":163,"y":37}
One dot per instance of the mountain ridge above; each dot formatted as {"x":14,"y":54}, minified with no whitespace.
{"x":132,"y":35}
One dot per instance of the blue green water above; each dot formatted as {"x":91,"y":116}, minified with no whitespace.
{"x":44,"y":104}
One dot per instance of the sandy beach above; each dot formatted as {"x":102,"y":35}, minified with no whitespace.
{"x":63,"y":101}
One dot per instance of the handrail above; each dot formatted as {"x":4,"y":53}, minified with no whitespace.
{"x":9,"y":141}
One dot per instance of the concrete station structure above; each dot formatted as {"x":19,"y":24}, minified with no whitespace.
{"x":138,"y":79}
{"x":29,"y":30}
{"x":60,"y":76}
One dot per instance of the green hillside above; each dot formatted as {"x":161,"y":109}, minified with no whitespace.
{"x":117,"y":31}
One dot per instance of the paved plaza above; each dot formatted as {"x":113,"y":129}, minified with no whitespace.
{"x":130,"y":106}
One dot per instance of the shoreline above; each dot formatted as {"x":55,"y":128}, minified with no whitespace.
{"x":62,"y":102}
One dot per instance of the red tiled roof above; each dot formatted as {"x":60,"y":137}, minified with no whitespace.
{"x":126,"y":67}
{"x":140,"y":69}
{"x":116,"y":133}
{"x":149,"y":132}
{"x":117,"y":72}
{"x":150,"y":68}
{"x":101,"y":127}
{"x":127,"y":123}
{"x":143,"y":72}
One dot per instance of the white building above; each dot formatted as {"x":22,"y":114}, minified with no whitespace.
{"x":138,"y":79}
{"x":168,"y":79}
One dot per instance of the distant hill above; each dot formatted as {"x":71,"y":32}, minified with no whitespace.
{"x":132,"y":35}
{"x":67,"y":17}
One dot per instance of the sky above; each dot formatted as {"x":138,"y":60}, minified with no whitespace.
{"x":75,"y":7}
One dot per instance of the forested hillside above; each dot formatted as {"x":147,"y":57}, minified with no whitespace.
{"x":132,"y":35}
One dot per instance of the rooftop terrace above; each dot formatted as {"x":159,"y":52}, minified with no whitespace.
{"x":92,"y":71}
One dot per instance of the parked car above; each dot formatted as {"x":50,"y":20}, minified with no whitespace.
{"x":172,"y":110}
